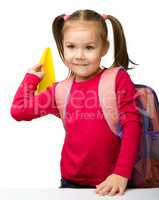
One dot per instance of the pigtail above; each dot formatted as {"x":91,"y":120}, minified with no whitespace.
{"x":120,"y":49}
{"x":57,"y":27}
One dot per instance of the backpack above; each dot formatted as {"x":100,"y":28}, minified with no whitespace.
{"x":146,"y":170}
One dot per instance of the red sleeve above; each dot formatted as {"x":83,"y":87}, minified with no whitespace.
{"x":131,"y":122}
{"x":27,"y":106}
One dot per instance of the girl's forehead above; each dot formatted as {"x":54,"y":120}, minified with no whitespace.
{"x":81,"y":28}
{"x":81,"y":36}
{"x":82,"y":32}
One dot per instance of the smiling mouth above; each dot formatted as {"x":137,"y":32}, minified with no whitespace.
{"x":80,"y":64}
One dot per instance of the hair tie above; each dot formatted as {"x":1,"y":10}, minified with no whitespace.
{"x":104,"y":16}
{"x":65,"y":17}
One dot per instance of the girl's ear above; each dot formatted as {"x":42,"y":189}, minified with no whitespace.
{"x":106,"y":48}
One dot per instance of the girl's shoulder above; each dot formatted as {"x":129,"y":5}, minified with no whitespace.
{"x":123,"y":80}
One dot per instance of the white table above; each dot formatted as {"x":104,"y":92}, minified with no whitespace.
{"x":75,"y":194}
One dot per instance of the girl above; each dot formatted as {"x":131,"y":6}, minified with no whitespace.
{"x":92,"y":156}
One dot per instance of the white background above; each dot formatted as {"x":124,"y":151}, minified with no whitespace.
{"x":30,"y":151}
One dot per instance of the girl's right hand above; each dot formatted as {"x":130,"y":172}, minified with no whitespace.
{"x":37,"y":70}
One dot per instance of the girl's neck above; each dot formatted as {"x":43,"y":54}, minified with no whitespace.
{"x":90,"y":77}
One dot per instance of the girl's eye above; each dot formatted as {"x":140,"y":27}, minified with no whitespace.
{"x":90,"y":47}
{"x":70,"y":46}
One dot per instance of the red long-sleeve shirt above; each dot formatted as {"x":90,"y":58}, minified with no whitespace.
{"x":91,"y":152}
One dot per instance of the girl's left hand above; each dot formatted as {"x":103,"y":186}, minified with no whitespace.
{"x":112,"y":185}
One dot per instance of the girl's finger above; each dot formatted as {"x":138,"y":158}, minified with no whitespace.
{"x":38,"y":67}
{"x":105,"y":190}
{"x":121,"y":191}
{"x":113,"y":191}
{"x":100,"y":187}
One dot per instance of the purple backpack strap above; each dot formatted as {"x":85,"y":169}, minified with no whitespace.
{"x":149,"y":108}
{"x":107,"y":98}
{"x":62,"y":91}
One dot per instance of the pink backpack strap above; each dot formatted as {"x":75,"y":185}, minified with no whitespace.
{"x":107,"y":98}
{"x":62,"y":91}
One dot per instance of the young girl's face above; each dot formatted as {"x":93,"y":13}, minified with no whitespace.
{"x":83,"y":49}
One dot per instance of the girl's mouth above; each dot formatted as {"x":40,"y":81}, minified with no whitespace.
{"x":80,"y":64}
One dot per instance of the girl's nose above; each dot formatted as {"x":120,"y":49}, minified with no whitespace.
{"x":79,"y":54}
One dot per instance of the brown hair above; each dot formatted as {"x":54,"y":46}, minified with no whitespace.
{"x":120,"y":49}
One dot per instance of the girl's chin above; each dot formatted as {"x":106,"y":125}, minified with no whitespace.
{"x":83,"y":74}
{"x":81,"y":71}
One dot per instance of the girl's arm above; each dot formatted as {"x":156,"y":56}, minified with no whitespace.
{"x":27,"y":106}
{"x":131,"y":122}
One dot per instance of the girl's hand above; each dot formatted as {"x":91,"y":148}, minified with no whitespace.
{"x":112,"y":185}
{"x":37,"y":70}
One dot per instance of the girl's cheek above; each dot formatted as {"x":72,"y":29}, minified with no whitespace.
{"x":93,"y":57}
{"x":68,"y":55}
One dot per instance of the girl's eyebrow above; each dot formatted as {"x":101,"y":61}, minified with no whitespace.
{"x":87,"y":43}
